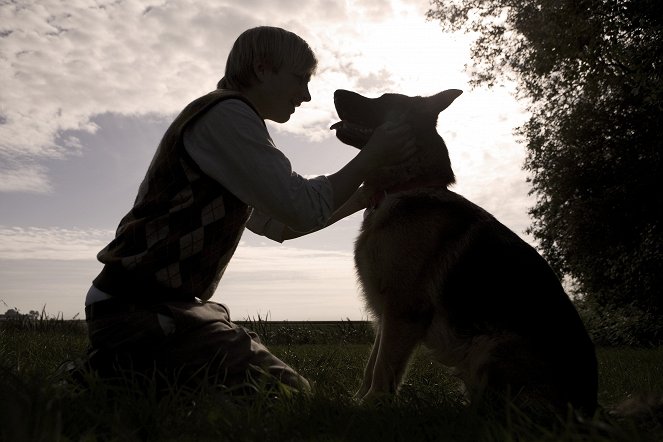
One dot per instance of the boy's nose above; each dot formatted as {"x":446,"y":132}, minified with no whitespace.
{"x":306,"y":96}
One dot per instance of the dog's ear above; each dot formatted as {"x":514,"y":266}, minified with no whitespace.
{"x":439,"y":102}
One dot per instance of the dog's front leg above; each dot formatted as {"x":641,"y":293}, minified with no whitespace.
{"x":368,"y":370}
{"x":397,"y":339}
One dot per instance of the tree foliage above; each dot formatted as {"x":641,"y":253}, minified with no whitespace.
{"x":591,"y":73}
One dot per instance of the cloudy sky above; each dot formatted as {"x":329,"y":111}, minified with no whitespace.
{"x":89,"y":86}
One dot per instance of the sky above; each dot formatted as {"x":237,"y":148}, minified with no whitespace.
{"x":89,"y":87}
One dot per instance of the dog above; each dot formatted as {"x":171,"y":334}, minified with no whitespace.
{"x":438,"y":270}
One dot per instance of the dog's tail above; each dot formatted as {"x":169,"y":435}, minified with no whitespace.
{"x":643,"y":410}
{"x":642,"y":407}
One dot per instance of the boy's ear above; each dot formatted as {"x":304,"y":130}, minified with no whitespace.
{"x":260,"y":68}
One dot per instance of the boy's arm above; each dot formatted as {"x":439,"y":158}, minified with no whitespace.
{"x":275,"y":230}
{"x":389,"y":144}
{"x":355,"y":203}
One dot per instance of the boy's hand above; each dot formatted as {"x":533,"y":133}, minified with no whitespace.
{"x":391,"y":143}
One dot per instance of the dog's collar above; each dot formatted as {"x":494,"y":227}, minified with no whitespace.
{"x":376,"y":199}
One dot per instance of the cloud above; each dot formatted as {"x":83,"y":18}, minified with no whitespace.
{"x":289,"y":282}
{"x":30,"y":178}
{"x":62,"y":63}
{"x":486,"y":156}
{"x":26,"y":243}
{"x":281,"y":258}
{"x":54,"y":267}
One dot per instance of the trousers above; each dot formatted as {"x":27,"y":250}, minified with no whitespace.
{"x":193,"y":340}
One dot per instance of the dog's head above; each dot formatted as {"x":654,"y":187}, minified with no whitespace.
{"x":360,"y":116}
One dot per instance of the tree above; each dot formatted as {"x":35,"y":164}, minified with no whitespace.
{"x":11,"y":313}
{"x":590,"y":71}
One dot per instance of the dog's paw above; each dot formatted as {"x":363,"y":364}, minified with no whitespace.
{"x":378,"y":398}
{"x":359,"y":395}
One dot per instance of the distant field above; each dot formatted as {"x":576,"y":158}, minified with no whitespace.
{"x":36,"y":405}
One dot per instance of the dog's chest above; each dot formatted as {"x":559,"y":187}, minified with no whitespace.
{"x":388,"y":225}
{"x":373,"y":236}
{"x":383,"y":270}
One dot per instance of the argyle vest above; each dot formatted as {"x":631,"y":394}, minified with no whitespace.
{"x":184,"y":227}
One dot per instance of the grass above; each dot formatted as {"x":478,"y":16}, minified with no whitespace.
{"x":36,"y":405}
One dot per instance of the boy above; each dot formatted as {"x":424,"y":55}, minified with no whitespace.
{"x":215,"y":172}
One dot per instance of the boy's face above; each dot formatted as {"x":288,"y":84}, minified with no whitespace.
{"x":281,"y":93}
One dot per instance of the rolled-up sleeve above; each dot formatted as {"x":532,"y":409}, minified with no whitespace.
{"x":261,"y":224}
{"x":230,"y":143}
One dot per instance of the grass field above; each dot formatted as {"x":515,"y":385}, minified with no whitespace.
{"x":36,"y":405}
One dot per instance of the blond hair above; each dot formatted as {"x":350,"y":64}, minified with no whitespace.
{"x":273,"y":46}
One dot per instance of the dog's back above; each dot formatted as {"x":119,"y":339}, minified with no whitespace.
{"x":436,"y":268}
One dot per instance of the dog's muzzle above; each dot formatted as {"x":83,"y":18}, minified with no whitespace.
{"x":353,"y":134}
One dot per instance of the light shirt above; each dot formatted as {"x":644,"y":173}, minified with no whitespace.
{"x":231,"y":144}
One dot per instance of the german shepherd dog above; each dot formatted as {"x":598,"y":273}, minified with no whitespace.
{"x":439,"y":270}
